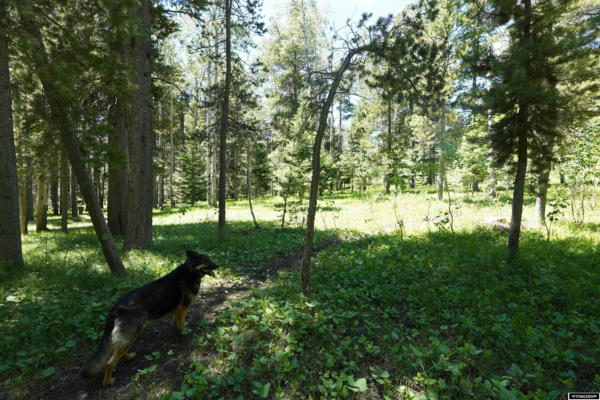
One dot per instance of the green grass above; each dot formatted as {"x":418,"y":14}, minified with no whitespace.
{"x":434,"y":316}
{"x":428,"y":314}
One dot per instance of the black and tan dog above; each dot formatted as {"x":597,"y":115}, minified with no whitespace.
{"x":173,"y":292}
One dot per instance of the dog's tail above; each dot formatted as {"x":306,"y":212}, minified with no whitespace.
{"x":98,"y":361}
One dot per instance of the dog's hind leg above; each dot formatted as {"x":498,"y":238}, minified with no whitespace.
{"x":119,"y":352}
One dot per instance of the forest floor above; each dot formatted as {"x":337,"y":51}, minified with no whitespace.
{"x":432,"y":310}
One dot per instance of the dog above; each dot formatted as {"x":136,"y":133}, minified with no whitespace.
{"x":173,"y":292}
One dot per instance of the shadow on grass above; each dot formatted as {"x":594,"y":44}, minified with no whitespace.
{"x":437,"y":313}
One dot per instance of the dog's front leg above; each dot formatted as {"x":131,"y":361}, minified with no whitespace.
{"x":180,"y":317}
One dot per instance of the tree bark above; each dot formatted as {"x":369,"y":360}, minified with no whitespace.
{"x":316,"y":170}
{"x":387,"y":177}
{"x":118,"y":168}
{"x":248,"y":187}
{"x":23,"y":206}
{"x":64,"y":192}
{"x":10,"y":234}
{"x":541,"y":194}
{"x":74,"y":190}
{"x":29,"y":191}
{"x":442,"y":161}
{"x":60,"y":117}
{"x":138,"y":232}
{"x":54,"y":192}
{"x":224,"y":123}
{"x":172,"y":166}
{"x":41,"y":204}
{"x":523,"y":126}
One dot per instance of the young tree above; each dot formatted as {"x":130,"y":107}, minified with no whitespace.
{"x":523,"y":91}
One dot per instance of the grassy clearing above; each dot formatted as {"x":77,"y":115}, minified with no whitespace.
{"x":427,"y":315}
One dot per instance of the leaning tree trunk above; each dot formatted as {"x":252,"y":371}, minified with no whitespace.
{"x":541,"y":194}
{"x":224,"y":122}
{"x":140,"y":193}
{"x":74,"y":190}
{"x":10,"y":234}
{"x":41,"y":204}
{"x":316,"y":170}
{"x":60,"y":116}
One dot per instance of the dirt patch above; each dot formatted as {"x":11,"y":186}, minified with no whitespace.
{"x":160,"y":337}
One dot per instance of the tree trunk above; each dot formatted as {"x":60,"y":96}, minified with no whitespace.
{"x":248,"y":187}
{"x":41,"y":204}
{"x":541,"y":193}
{"x":74,"y":188}
{"x":60,"y":117}
{"x":316,"y":171}
{"x":23,"y":206}
{"x":172,"y":166}
{"x":29,"y":191}
{"x":10,"y":234}
{"x":224,"y":122}
{"x":285,"y":196}
{"x":388,"y":176}
{"x":442,"y":161}
{"x":491,"y":170}
{"x":523,"y":126}
{"x":118,"y":167}
{"x":138,"y":232}
{"x":64,"y":192}
{"x":98,"y":184}
{"x":54,"y":192}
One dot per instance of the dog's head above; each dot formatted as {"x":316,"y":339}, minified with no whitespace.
{"x":200,"y":263}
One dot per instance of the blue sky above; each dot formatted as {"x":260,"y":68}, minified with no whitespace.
{"x":340,"y":10}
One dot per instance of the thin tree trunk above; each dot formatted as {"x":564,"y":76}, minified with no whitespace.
{"x":541,"y":194}
{"x":138,"y":232}
{"x":64,"y":192}
{"x":316,"y":171}
{"x":172,"y":167}
{"x":74,"y":188}
{"x":23,"y":206}
{"x":248,"y":187}
{"x":54,"y":192}
{"x":224,"y":122}
{"x":29,"y":191}
{"x":64,"y":125}
{"x":41,"y":204}
{"x":285,"y":196}
{"x":10,"y":234}
{"x":388,"y":176}
{"x":491,"y":169}
{"x":442,"y":161}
